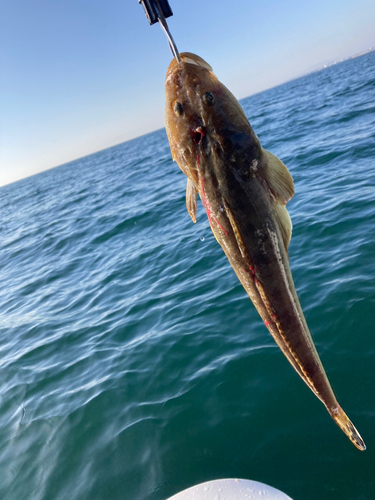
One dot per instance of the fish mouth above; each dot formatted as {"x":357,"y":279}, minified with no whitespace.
{"x":198,"y":134}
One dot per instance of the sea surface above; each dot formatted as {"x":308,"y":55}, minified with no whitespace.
{"x":133,"y":364}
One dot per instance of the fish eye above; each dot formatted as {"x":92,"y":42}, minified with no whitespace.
{"x":208,"y":98}
{"x":178,"y":108}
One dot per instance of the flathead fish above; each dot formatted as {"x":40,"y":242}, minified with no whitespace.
{"x":244,"y":190}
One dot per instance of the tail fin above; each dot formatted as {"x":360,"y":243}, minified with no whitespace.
{"x":342,"y":420}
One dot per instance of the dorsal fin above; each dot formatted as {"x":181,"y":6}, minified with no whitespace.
{"x":191,"y":200}
{"x":284,"y":222}
{"x":278,"y":178}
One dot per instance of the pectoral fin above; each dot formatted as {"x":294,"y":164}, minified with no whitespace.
{"x":280,"y":183}
{"x":278,"y":178}
{"x":191,"y":200}
{"x":285,"y":224}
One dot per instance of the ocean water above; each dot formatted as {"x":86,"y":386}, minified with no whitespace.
{"x":132,"y":363}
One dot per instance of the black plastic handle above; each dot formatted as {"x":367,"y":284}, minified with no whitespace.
{"x":152,"y":12}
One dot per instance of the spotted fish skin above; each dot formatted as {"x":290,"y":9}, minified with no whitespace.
{"x":244,"y":190}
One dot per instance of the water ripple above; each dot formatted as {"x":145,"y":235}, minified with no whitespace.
{"x":133,"y":363}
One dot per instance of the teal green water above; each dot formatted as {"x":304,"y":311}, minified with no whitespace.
{"x":133,"y":364}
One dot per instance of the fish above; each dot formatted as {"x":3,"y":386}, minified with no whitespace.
{"x":244,"y":189}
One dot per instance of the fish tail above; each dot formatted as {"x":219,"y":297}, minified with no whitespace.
{"x":343,"y":421}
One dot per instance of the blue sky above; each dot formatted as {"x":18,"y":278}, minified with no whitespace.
{"x":77,"y":76}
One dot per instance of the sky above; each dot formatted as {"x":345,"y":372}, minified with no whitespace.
{"x":78,"y":76}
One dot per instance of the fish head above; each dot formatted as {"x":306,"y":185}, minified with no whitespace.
{"x":202,"y":117}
